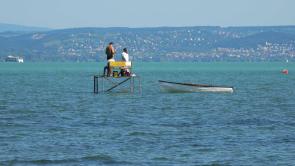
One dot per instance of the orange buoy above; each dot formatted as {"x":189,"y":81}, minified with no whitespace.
{"x":285,"y":71}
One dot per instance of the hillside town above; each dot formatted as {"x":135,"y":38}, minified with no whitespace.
{"x":155,"y":44}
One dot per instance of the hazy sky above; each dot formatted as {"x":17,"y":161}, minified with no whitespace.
{"x":146,"y":13}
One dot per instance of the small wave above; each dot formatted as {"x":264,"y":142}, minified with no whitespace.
{"x":104,"y":158}
{"x":3,"y":107}
{"x":254,"y":121}
{"x":39,"y":162}
{"x":95,"y":158}
{"x":206,"y":150}
{"x":139,"y":133}
{"x":161,"y":159}
{"x":284,"y":139}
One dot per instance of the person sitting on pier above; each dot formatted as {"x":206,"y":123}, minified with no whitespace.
{"x":125,"y":58}
{"x":110,"y":52}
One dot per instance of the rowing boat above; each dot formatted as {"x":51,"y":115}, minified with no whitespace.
{"x":177,"y":87}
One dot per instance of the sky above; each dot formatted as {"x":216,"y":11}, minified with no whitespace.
{"x":59,"y":14}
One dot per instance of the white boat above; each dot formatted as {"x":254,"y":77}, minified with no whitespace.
{"x":176,"y":87}
{"x":14,"y":59}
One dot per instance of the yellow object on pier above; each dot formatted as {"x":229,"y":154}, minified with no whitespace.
{"x":121,"y":64}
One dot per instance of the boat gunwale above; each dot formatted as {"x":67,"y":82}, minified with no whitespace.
{"x":195,"y":85}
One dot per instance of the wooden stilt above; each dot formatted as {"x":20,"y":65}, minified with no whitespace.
{"x":95,"y":84}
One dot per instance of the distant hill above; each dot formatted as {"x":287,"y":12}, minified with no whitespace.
{"x":261,"y":38}
{"x":153,"y":44}
{"x":20,"y":28}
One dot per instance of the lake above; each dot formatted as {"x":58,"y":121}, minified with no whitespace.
{"x":50,"y":116}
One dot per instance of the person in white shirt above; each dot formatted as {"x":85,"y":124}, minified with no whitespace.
{"x":125,"y":56}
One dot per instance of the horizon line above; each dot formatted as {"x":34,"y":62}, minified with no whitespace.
{"x":142,"y":27}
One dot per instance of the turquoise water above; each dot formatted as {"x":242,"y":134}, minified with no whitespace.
{"x":49,"y":116}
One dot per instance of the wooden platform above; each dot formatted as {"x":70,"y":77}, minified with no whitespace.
{"x":103,"y":83}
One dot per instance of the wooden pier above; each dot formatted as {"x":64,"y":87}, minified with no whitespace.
{"x":129,"y":83}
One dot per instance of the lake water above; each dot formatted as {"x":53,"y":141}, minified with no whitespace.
{"x":49,"y":116}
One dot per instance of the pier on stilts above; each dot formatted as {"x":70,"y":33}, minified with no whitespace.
{"x":128,"y":82}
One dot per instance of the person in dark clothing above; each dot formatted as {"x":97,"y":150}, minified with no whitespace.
{"x":110,"y":52}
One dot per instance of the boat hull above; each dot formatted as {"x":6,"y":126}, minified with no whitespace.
{"x":14,"y":59}
{"x":173,"y":87}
